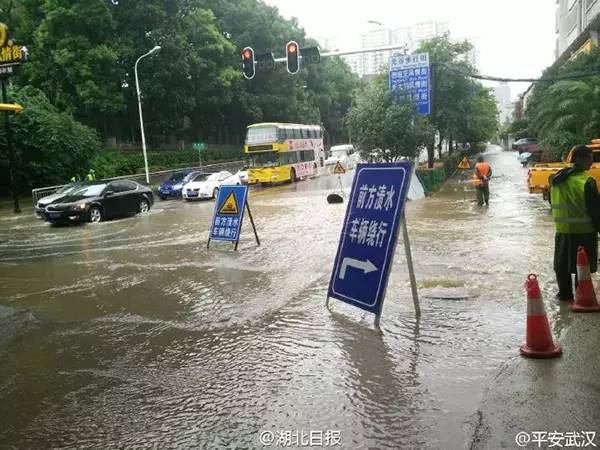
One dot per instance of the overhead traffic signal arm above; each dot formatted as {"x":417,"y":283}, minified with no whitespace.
{"x":11,"y":107}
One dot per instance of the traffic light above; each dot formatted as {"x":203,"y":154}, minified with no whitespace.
{"x":310,"y":55}
{"x":248,"y":63}
{"x":293,"y":57}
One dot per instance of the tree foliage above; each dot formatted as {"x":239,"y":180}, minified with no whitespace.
{"x":462,"y":109}
{"x":50,"y":145}
{"x":379,"y":121}
{"x":84,"y":52}
{"x":564,"y":113}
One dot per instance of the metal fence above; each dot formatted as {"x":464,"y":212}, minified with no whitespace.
{"x":155,"y":177}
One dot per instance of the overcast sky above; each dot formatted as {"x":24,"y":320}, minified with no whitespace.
{"x":515,"y":38}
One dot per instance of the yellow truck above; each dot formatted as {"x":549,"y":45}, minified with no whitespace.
{"x":539,"y":174}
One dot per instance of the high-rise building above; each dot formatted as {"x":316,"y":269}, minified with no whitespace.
{"x":411,"y":37}
{"x":505,"y":106}
{"x":577,"y":27}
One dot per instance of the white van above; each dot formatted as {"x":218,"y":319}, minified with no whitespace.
{"x":346,"y":154}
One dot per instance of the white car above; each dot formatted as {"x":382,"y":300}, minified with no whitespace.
{"x":346,"y":155}
{"x":206,"y":185}
{"x":243,"y":175}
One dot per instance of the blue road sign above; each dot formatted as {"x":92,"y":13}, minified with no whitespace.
{"x":229,"y":213}
{"x":409,"y":75}
{"x":368,"y":240}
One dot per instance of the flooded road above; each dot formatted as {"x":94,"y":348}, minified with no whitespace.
{"x":131,"y":334}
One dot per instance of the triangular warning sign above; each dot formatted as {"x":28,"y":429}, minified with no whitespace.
{"x":464,"y":164}
{"x":339,"y":168}
{"x":230,"y":205}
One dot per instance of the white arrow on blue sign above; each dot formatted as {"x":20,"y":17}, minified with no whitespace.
{"x":369,"y":235}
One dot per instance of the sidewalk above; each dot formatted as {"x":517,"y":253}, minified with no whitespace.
{"x":561,"y":395}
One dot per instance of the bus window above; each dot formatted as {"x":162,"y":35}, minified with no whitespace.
{"x":313,"y":133}
{"x":297,"y":133}
{"x":289,"y":133}
{"x":281,"y":135}
{"x":288,"y":157}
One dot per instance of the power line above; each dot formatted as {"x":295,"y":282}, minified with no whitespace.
{"x":476,"y":76}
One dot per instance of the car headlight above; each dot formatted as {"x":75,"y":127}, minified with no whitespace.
{"x":79,"y":207}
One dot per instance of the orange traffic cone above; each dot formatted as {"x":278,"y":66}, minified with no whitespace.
{"x":585,"y":296}
{"x":539,"y":342}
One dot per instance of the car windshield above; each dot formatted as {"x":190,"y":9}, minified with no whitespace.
{"x":68,"y":188}
{"x":339,"y":152}
{"x":91,"y":191}
{"x":267,"y":159}
{"x":202,"y":177}
{"x":177,"y":177}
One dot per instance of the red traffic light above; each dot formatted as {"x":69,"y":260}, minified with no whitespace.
{"x":292,"y":57}
{"x":248,"y":69}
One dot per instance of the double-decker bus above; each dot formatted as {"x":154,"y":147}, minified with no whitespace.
{"x":283,"y":151}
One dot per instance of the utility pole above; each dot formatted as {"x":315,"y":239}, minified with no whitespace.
{"x":11,"y":153}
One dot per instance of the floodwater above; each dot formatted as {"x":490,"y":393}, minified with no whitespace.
{"x":131,"y":334}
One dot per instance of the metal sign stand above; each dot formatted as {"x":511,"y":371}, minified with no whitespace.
{"x":411,"y":273}
{"x":341,"y":185}
{"x":253,"y":228}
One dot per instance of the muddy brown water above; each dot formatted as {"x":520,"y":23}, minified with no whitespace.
{"x":131,"y":334}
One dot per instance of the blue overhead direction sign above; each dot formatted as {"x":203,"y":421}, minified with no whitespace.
{"x":369,"y":235}
{"x":229,"y":213}
{"x":410,"y":76}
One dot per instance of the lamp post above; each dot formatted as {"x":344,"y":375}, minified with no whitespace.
{"x":137,"y":87}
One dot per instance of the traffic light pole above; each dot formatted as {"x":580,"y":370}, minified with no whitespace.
{"x":11,"y":153}
{"x":353,"y":52}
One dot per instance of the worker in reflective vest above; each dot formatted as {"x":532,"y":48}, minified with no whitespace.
{"x":481,"y":180}
{"x":576,"y":212}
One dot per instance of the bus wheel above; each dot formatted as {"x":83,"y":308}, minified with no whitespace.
{"x":293,"y":176}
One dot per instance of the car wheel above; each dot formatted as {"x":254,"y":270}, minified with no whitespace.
{"x":144,"y":206}
{"x":95,"y":214}
{"x":215,"y":192}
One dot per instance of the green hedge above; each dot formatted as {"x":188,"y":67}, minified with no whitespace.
{"x":432,"y":179}
{"x":113,"y":163}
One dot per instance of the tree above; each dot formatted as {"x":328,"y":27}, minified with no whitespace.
{"x":380,"y":121}
{"x":564,"y":113}
{"x":479,"y":121}
{"x":50,"y":145}
{"x":457,"y":100}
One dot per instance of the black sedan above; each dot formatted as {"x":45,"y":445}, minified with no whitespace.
{"x":101,"y":200}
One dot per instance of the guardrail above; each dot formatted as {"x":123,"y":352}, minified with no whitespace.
{"x":155,"y":177}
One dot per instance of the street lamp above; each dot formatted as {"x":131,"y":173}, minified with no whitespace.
{"x":137,"y":87}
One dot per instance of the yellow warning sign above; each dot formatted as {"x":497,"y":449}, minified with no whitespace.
{"x":464,"y":164}
{"x":230,"y":205}
{"x":339,"y":168}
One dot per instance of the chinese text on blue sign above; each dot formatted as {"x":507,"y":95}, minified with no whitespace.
{"x":409,"y":74}
{"x":229,"y":213}
{"x":369,"y":235}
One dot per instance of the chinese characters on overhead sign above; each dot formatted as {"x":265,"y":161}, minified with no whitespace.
{"x":409,"y":75}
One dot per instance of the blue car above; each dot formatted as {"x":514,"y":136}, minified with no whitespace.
{"x":173,"y":186}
